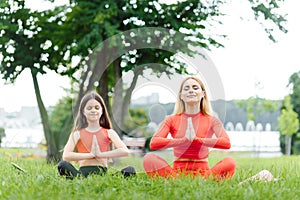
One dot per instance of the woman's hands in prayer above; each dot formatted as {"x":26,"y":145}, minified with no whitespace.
{"x":190,"y":131}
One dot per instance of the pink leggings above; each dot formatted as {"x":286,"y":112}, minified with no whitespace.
{"x":157,"y":166}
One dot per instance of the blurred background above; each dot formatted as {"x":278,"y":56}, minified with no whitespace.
{"x":134,"y":53}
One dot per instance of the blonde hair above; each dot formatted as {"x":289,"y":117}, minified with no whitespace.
{"x":205,"y":106}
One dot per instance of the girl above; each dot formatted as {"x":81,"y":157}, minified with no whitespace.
{"x":92,"y":135}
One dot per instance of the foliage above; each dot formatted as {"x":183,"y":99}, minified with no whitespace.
{"x":283,"y":148}
{"x":107,"y":25}
{"x":288,"y":123}
{"x":264,"y":11}
{"x":296,"y":147}
{"x":18,"y":38}
{"x":255,"y":106}
{"x":294,"y":83}
{"x":105,"y":19}
{"x":58,"y":118}
{"x":2,"y":134}
{"x":136,"y":122}
{"x":43,"y":182}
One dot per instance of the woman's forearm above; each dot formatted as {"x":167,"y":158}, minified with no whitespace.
{"x":220,"y":143}
{"x":163,"y":143}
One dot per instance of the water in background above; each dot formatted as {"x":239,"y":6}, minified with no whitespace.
{"x":22,"y":138}
{"x":255,"y":143}
{"x":265,"y":141}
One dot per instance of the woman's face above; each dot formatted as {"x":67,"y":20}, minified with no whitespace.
{"x":191,"y":91}
{"x":93,"y":110}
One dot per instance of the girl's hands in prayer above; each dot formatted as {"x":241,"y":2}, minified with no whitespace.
{"x":95,"y":150}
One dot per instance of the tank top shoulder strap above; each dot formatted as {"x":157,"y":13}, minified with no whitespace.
{"x":105,"y":132}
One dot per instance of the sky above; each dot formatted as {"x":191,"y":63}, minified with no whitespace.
{"x":248,"y":57}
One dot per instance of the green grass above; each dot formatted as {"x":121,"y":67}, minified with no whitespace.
{"x":41,"y":181}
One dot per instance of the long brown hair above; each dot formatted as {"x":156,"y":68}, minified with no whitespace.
{"x":205,"y":105}
{"x":81,"y":121}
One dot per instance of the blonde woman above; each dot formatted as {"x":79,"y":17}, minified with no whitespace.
{"x":192,"y":127}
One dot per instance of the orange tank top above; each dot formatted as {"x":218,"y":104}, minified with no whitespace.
{"x":84,"y":143}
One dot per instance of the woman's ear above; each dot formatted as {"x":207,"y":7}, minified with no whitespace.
{"x":203,"y":93}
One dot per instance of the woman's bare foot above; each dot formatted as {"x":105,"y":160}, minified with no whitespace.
{"x":264,"y":176}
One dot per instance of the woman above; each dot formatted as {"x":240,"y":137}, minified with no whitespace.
{"x":92,"y":136}
{"x":192,"y":127}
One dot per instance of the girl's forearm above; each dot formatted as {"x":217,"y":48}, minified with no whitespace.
{"x":74,"y":156}
{"x":115,"y":153}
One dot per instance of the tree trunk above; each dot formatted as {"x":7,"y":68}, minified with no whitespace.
{"x":103,"y":90}
{"x":121,"y":102}
{"x":128,"y":94}
{"x":117,"y":98}
{"x":52,"y":153}
{"x":101,"y":60}
{"x":288,"y":140}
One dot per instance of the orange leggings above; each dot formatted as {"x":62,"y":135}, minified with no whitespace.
{"x":157,"y":166}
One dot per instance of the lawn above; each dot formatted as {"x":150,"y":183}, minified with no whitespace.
{"x":41,"y":181}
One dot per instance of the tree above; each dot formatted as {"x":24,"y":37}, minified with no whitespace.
{"x":2,"y":134}
{"x":59,"y":117}
{"x":294,"y":83}
{"x":23,"y":48}
{"x":288,"y":123}
{"x":55,"y":39}
{"x":107,"y":18}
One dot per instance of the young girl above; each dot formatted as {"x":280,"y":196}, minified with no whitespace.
{"x":92,"y":136}
{"x":192,"y":127}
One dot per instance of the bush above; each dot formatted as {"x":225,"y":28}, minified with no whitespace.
{"x":296,"y":147}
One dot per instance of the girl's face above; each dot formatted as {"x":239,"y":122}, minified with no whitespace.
{"x":191,"y":91}
{"x":93,"y":110}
